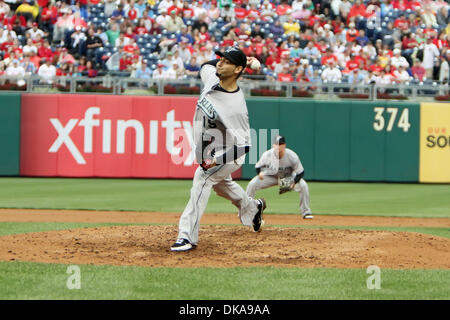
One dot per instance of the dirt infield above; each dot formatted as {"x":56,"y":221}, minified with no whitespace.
{"x":84,"y":216}
{"x":226,"y":245}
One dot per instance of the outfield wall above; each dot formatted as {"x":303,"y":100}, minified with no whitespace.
{"x":9,"y":134}
{"x":125,"y":136}
{"x":342,"y":141}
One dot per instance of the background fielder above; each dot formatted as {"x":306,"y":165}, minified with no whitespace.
{"x":278,"y":163}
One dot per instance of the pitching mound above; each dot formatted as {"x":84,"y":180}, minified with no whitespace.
{"x":231,"y":246}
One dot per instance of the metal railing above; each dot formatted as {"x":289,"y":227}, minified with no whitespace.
{"x":251,"y":88}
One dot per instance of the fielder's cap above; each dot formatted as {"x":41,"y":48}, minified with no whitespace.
{"x":235,"y":55}
{"x":279,"y":140}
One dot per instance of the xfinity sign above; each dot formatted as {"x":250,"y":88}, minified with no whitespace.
{"x":143,"y":131}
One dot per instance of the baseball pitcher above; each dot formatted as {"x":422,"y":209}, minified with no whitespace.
{"x":281,"y":166}
{"x":221,"y":136}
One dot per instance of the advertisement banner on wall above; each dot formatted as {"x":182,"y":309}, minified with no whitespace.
{"x":107,"y":136}
{"x":435,"y":142}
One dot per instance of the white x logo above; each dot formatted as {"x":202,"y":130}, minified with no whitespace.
{"x":64,"y":138}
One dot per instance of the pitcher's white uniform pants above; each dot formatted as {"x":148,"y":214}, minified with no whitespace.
{"x":219,"y":179}
{"x":256,"y":184}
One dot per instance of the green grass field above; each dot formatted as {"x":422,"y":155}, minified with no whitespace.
{"x":22,"y":280}
{"x":378,"y":199}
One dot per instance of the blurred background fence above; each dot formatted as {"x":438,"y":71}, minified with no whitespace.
{"x":116,"y":84}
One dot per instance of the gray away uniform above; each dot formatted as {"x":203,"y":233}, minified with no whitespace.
{"x":274,"y":168}
{"x":217,"y":113}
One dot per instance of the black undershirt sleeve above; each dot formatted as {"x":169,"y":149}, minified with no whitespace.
{"x":298,"y":177}
{"x":232,"y":154}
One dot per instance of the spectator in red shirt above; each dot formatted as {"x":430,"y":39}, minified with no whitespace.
{"x":322,"y":46}
{"x":313,"y":19}
{"x":131,"y":47}
{"x":377,"y":67}
{"x":8,"y":43}
{"x":90,"y":71}
{"x":328,"y":57}
{"x":401,"y":5}
{"x":387,"y":51}
{"x":282,"y":10}
{"x":272,"y":59}
{"x":204,"y":34}
{"x":401,"y":22}
{"x":253,"y":13}
{"x":362,"y":59}
{"x":42,"y":3}
{"x":81,"y":64}
{"x":284,"y":75}
{"x":125,"y":61}
{"x":337,"y":25}
{"x":283,"y":49}
{"x":63,"y":70}
{"x":140,"y":27}
{"x":35,"y":59}
{"x":409,"y":42}
{"x":415,"y":5}
{"x":187,"y":11}
{"x":352,"y":33}
{"x":390,"y":71}
{"x":175,"y":7}
{"x":429,"y":31}
{"x":16,"y":47}
{"x":441,"y":41}
{"x":78,"y":21}
{"x":301,"y":76}
{"x":418,"y":71}
{"x":352,"y":64}
{"x":48,"y":17}
{"x":129,"y":33}
{"x":241,"y":12}
{"x":257,"y":46}
{"x":65,"y":57}
{"x":45,"y":51}
{"x":358,"y":10}
{"x":132,"y":12}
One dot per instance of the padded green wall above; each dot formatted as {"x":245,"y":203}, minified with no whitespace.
{"x":337,"y":141}
{"x":9,"y":134}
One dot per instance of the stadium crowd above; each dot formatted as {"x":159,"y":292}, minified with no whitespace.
{"x":370,"y":41}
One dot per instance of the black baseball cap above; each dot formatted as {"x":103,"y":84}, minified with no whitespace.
{"x":279,"y":140}
{"x":235,"y":55}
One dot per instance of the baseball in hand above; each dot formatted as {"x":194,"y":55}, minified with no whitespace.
{"x":255,"y":64}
